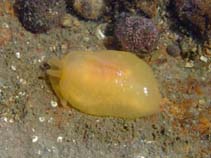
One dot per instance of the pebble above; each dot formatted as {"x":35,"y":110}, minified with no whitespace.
{"x":209,"y":68}
{"x":21,"y":94}
{"x":5,"y":36}
{"x":173,"y":50}
{"x":54,"y":104}
{"x":202,"y":102}
{"x":89,"y":9}
{"x":189,"y":64}
{"x":149,"y":7}
{"x":5,"y":119}
{"x":188,"y":47}
{"x":39,"y":152}
{"x":204,"y":59}
{"x":100,"y":31}
{"x":208,"y":49}
{"x":70,"y":21}
{"x":11,"y":121}
{"x":13,"y":67}
{"x":34,"y":139}
{"x":41,"y":59}
{"x":22,"y":81}
{"x":41,"y":119}
{"x":50,"y":120}
{"x":139,"y":156}
{"x":59,"y":139}
{"x":74,"y":141}
{"x":18,"y":55}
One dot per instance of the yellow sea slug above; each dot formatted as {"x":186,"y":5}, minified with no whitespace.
{"x":105,"y":83}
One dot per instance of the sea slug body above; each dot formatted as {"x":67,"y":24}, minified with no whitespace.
{"x":105,"y":83}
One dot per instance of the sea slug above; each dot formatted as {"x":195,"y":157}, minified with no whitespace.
{"x":105,"y":83}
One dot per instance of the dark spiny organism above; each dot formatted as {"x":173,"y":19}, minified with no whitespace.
{"x":40,"y":16}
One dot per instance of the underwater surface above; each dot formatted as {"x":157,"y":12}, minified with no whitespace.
{"x":172,"y":36}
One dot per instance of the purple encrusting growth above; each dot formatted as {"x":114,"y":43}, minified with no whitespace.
{"x":136,"y":34}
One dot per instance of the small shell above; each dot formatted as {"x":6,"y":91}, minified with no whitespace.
{"x":105,"y":83}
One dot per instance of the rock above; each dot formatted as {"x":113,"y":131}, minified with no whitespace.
{"x":196,"y":15}
{"x":136,"y":34}
{"x":89,"y":9}
{"x":5,"y":36}
{"x":39,"y":16}
{"x":149,"y":7}
{"x":70,"y":21}
{"x":188,"y":48}
{"x":173,"y":50}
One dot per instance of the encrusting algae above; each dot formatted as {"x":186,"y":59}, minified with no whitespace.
{"x":105,"y":83}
